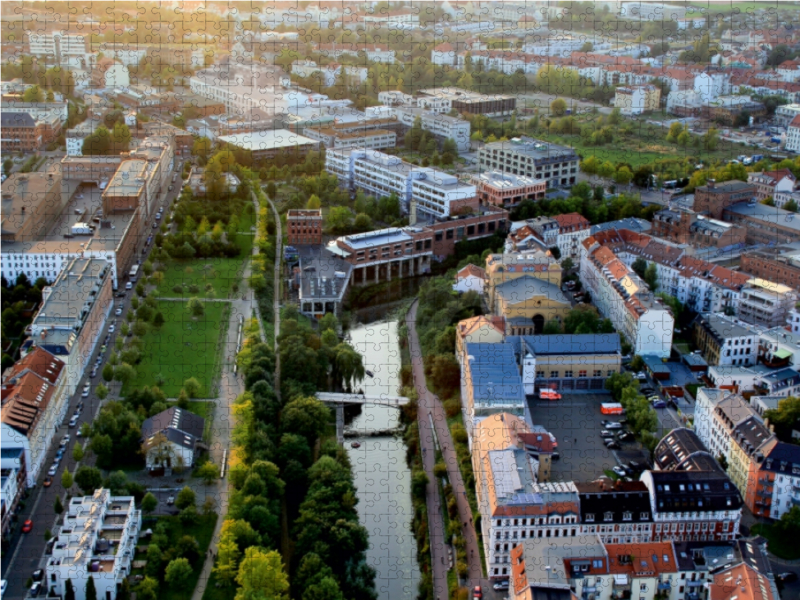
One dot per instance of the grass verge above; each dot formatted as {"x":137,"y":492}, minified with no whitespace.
{"x":181,"y":349}
{"x":221,"y":274}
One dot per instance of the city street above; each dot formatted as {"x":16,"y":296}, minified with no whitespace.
{"x":26,"y":551}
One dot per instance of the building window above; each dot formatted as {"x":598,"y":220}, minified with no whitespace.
{"x":553,"y":374}
{"x":590,"y":517}
{"x":568,"y":374}
{"x":540,"y":374}
{"x":582,"y":373}
{"x":449,"y":235}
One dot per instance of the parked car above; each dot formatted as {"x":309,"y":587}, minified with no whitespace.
{"x":48,"y":481}
{"x":120,"y":294}
{"x":73,"y":421}
{"x":654,"y":398}
{"x":786,"y":577}
{"x":625,"y":437}
{"x":606,"y":434}
{"x":118,"y":312}
{"x":500,"y":586}
{"x":641,"y":375}
{"x":170,"y":500}
{"x":659,"y":404}
{"x":614,"y":425}
{"x":477,"y":592}
{"x":27,"y":526}
{"x":612,"y":445}
{"x":64,"y":441}
{"x":103,"y":349}
{"x":36,"y":589}
{"x":3,"y":582}
{"x":619,"y":471}
{"x":112,"y":328}
{"x":37,"y":575}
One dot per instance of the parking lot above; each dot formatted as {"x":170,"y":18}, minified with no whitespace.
{"x":575,"y":420}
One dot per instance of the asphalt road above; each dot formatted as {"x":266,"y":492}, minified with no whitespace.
{"x":26,"y":551}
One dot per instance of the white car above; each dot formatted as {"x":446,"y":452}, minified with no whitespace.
{"x":85,"y":393}
{"x":52,"y":470}
{"x":170,"y":500}
{"x":118,"y":312}
{"x":619,"y":471}
{"x":64,"y":441}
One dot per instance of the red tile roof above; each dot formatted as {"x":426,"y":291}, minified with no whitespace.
{"x":572,"y":221}
{"x":471,"y":270}
{"x":38,"y":361}
{"x":643,"y":559}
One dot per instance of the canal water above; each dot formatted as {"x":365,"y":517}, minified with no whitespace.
{"x":382,"y":478}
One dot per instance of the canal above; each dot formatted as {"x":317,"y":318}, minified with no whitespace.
{"x":382,"y":478}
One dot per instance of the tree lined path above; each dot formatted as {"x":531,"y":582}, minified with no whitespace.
{"x":433,"y":420}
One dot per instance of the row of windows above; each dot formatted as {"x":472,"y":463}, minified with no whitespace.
{"x":569,"y":374}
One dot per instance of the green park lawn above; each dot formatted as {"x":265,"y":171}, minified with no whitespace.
{"x":183,"y":348}
{"x":644,"y":145}
{"x":221,"y":273}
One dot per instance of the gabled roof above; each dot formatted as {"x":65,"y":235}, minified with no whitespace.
{"x":38,"y":361}
{"x":741,"y":582}
{"x":175,"y":418}
{"x":8,"y":119}
{"x":572,"y":220}
{"x":471,"y":271}
{"x":27,"y":402}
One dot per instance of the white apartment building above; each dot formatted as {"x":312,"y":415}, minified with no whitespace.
{"x":728,"y":414}
{"x":241,"y":88}
{"x":379,"y":54}
{"x":711,"y":86}
{"x":621,"y":296}
{"x":706,"y":401}
{"x":441,"y":55}
{"x":393,"y":20}
{"x":785,"y":114}
{"x":62,"y":46}
{"x":765,"y":303}
{"x":98,"y":540}
{"x":793,"y":321}
{"x":35,"y":398}
{"x":431,"y":190}
{"x":793,"y":134}
{"x":441,"y":126}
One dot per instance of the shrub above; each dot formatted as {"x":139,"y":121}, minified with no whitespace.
{"x":178,"y":289}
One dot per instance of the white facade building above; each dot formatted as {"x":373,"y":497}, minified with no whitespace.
{"x":793,"y":135}
{"x":711,"y":86}
{"x":381,"y":174}
{"x":98,"y":540}
{"x":439,"y":125}
{"x":625,"y":299}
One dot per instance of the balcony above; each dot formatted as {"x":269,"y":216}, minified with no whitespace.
{"x":664,"y":586}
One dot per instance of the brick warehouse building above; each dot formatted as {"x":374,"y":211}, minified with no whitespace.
{"x":767,"y":263}
{"x":712,"y":199}
{"x":408,"y":251}
{"x":304,"y":227}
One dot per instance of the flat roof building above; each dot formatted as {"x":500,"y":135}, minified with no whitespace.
{"x":474,"y":103}
{"x":558,"y":165}
{"x":270,"y":143}
{"x":424,"y":192}
{"x":97,"y":539}
{"x":507,"y":190}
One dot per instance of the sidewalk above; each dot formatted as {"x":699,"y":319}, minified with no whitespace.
{"x":429,"y":410}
